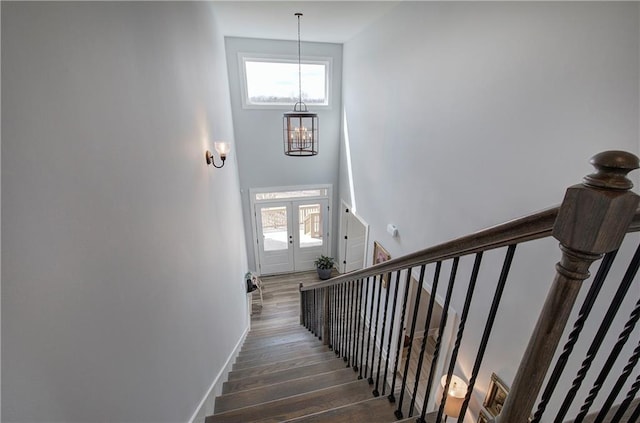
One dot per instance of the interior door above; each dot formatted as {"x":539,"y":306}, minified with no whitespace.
{"x":352,"y":240}
{"x":310,"y":237}
{"x":356,"y":243}
{"x":275,"y":237}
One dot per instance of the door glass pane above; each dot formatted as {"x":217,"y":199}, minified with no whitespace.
{"x":310,"y":218}
{"x":279,"y":195}
{"x":274,"y":228}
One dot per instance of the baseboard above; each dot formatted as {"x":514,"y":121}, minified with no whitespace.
{"x":206,"y":406}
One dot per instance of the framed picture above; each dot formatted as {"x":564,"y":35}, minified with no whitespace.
{"x":483,"y":417}
{"x":380,"y":255}
{"x":496,"y":396}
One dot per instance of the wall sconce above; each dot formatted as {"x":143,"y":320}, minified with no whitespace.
{"x":455,"y":396}
{"x":222,"y":148}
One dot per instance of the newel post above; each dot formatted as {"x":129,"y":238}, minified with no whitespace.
{"x":593,"y":220}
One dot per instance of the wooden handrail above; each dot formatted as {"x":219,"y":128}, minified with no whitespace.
{"x":535,"y":226}
{"x":528,"y":228}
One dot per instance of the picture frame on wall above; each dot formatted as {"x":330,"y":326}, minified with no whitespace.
{"x":496,"y":395}
{"x":380,"y":255}
{"x":483,"y":416}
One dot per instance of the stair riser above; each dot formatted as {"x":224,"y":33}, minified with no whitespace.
{"x":279,"y":366}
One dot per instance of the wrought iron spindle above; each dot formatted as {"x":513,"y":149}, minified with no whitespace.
{"x":497,"y":296}
{"x":602,"y":376}
{"x":375,"y":329}
{"x":350,"y":326}
{"x":345,"y":324}
{"x":343,"y":320}
{"x":330,"y":318}
{"x":376,"y":392}
{"x":600,"y":335}
{"x":334,"y":308}
{"x":631,"y":363}
{"x":393,"y":316}
{"x":365,"y":298}
{"x":423,"y":346}
{"x":354,"y":363}
{"x":583,"y":314}
{"x":391,"y":396}
{"x":443,"y":324}
{"x":463,"y":321}
{"x":366,"y":360}
{"x":624,"y":405}
{"x":416,"y":307}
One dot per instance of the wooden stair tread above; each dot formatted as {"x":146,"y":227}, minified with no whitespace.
{"x":281,"y":376}
{"x":261,"y":368}
{"x":283,"y":389}
{"x":373,"y":410}
{"x":287,"y":347}
{"x":256,"y":344}
{"x":266,"y":359}
{"x":299,"y":405}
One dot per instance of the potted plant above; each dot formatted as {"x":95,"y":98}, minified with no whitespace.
{"x":324,"y":265}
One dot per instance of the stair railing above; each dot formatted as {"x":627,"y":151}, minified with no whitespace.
{"x":351,"y":316}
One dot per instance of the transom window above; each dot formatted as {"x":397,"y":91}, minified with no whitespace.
{"x":270,"y":81}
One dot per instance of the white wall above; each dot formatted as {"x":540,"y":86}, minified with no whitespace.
{"x":463,"y":115}
{"x":123,"y":253}
{"x":261,"y":158}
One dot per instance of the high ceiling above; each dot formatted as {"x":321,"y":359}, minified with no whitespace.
{"x":323,"y":21}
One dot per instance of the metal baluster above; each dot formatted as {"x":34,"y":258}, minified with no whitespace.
{"x":460,"y":333}
{"x":314,"y":311}
{"x":345,"y":322}
{"x":376,"y":393}
{"x":497,"y":296}
{"x":329,"y":294}
{"x":613,"y":356}
{"x":631,"y":363}
{"x":624,"y":405}
{"x":391,"y":396}
{"x":635,"y":416}
{"x":366,"y":360}
{"x":423,"y":347}
{"x":583,"y":314}
{"x":332,"y":316}
{"x":354,"y":361}
{"x":365,"y":298}
{"x":341,"y":317}
{"x":350,"y":326}
{"x":602,"y":331}
{"x":336,"y":345}
{"x":398,"y":412}
{"x":393,"y":316}
{"x":443,"y":324}
{"x":375,"y":330}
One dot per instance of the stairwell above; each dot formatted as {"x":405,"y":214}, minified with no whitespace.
{"x":285,"y":374}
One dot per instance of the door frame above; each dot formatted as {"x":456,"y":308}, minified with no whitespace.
{"x":253,"y":202}
{"x":342,"y":232}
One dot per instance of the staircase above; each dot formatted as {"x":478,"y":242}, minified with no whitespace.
{"x":285,"y":374}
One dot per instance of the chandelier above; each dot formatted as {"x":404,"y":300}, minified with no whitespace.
{"x":300,"y":126}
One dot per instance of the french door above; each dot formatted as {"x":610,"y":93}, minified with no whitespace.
{"x":291,"y":234}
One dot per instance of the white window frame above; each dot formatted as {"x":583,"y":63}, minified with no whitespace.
{"x":257,"y":57}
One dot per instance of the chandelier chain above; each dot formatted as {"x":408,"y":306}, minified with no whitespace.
{"x":299,"y":61}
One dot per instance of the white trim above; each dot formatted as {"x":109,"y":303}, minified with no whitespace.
{"x":216,"y":386}
{"x":282,"y":58}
